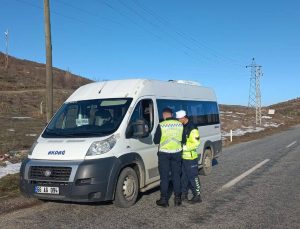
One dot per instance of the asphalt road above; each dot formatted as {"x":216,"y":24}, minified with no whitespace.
{"x":267,"y":197}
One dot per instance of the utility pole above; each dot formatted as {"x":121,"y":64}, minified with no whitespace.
{"x":49,"y":77}
{"x":254,"y":90}
{"x":6,"y":48}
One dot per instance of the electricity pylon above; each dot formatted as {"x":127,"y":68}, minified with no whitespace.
{"x":6,"y":48}
{"x":254,"y":90}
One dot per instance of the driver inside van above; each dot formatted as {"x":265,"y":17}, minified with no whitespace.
{"x":103,"y":118}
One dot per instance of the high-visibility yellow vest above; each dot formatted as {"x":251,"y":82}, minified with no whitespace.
{"x":192,"y":143}
{"x":171,"y":136}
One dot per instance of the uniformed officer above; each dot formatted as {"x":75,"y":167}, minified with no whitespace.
{"x":170,"y":137}
{"x":189,"y":177}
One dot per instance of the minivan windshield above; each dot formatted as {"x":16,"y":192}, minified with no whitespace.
{"x":87,"y":118}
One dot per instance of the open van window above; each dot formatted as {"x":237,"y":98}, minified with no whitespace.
{"x":87,"y":118}
{"x":143,"y":111}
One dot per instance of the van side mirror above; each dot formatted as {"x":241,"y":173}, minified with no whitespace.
{"x":140,"y":129}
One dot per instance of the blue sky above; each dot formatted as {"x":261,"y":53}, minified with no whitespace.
{"x":207,"y":41}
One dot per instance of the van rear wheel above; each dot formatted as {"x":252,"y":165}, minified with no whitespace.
{"x":127,"y":188}
{"x":207,"y":162}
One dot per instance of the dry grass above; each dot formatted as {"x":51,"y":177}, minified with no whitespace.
{"x":9,"y":186}
{"x":22,"y":90}
{"x":19,"y":133}
{"x":287,"y":114}
{"x":24,"y":74}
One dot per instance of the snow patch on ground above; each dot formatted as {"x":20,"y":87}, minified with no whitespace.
{"x":272,"y":124}
{"x":241,"y":132}
{"x":31,"y":135}
{"x":21,"y":117}
{"x":9,"y":169}
{"x":266,"y":117}
{"x":231,"y":115}
{"x":11,"y":130}
{"x":249,"y":129}
{"x":225,"y":112}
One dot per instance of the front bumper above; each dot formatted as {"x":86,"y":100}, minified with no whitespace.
{"x":101,"y":175}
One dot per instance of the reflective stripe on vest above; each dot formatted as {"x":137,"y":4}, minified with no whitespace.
{"x":171,"y":136}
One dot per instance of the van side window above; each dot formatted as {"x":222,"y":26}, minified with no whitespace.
{"x":142,"y":111}
{"x":175,"y":105}
{"x":201,"y":113}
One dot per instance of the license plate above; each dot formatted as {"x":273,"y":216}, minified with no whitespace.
{"x":45,"y":189}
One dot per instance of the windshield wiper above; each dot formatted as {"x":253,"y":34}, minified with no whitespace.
{"x":61,"y":134}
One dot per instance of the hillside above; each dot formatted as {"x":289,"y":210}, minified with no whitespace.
{"x":22,"y":86}
{"x":22,"y":96}
{"x":288,"y":108}
{"x":241,"y":120}
{"x":24,"y":74}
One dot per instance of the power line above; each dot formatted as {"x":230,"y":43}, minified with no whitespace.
{"x":90,"y":13}
{"x":183,"y":41}
{"x":153,"y":24}
{"x":144,"y":28}
{"x":185,"y":48}
{"x":186,"y":36}
{"x":60,"y":14}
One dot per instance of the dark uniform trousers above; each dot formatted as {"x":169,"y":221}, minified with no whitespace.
{"x":189,"y":178}
{"x":169,"y":163}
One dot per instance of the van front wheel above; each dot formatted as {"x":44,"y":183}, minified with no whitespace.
{"x":207,"y":162}
{"x":127,"y":188}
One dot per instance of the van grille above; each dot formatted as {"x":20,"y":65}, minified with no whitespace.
{"x":50,"y":173}
{"x":49,"y":183}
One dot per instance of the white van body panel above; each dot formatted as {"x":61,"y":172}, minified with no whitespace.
{"x":65,"y":149}
{"x":147,"y":149}
{"x":208,"y":133}
{"x":136,"y":88}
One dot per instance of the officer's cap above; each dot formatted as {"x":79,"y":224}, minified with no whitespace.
{"x":180,"y":114}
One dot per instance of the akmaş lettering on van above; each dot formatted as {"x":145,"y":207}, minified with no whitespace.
{"x":57,"y":152}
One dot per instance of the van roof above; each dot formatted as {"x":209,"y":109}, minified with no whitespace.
{"x":133,"y":88}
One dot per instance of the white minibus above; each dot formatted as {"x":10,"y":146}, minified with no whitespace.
{"x":99,"y":144}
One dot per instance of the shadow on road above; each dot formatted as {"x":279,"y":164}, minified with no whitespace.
{"x":140,"y":195}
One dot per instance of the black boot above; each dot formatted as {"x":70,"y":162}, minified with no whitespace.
{"x":162,"y":202}
{"x":184,"y":197}
{"x":177,"y":200}
{"x":196,"y":199}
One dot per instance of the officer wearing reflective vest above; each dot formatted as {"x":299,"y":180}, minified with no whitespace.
{"x":189,"y":177}
{"x":170,"y":137}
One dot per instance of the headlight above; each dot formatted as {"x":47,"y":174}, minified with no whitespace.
{"x":101,"y":147}
{"x":32,"y":148}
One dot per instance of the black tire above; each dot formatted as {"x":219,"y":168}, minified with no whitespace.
{"x":127,"y":188}
{"x":207,"y":162}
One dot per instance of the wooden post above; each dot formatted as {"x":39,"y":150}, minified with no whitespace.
{"x":49,"y":77}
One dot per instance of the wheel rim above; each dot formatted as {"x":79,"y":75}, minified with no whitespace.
{"x":129,"y":188}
